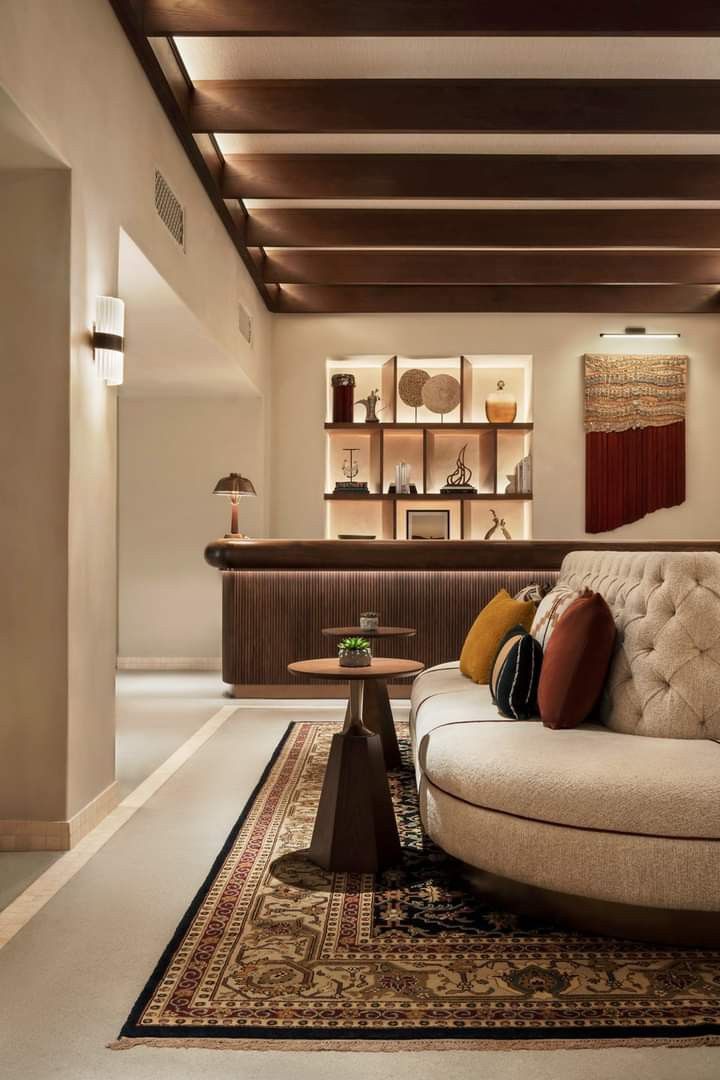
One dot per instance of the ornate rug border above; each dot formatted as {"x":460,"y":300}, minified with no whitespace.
{"x":315,"y":1039}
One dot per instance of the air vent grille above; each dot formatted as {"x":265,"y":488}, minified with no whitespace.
{"x":170,"y":209}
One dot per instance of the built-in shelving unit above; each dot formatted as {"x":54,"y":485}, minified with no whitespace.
{"x":430,"y":444}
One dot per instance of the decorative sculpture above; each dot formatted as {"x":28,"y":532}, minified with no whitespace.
{"x":370,"y":403}
{"x":350,"y":469}
{"x":459,"y":479}
{"x":410,"y":387}
{"x":441,"y":394}
{"x":498,"y":523}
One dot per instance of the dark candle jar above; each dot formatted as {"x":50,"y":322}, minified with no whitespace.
{"x":343,"y":393}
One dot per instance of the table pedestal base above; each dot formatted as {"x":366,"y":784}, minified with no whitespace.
{"x":377,"y":716}
{"x":355,"y":829}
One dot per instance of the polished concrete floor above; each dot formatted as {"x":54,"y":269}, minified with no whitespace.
{"x":156,"y":713}
{"x":69,"y":977}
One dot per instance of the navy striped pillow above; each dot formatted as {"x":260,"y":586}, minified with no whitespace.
{"x":516,"y":674}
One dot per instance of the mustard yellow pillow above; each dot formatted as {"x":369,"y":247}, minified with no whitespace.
{"x":486,"y":633}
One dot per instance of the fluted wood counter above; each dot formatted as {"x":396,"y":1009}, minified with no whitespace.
{"x":279,"y":594}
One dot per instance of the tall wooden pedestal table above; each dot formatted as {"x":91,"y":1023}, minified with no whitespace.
{"x":377,"y":712}
{"x":355,"y":829}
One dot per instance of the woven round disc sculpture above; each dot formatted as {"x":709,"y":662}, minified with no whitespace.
{"x":411,"y":385}
{"x":441,"y":394}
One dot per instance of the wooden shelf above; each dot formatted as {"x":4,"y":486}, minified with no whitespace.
{"x":420,"y":426}
{"x":433,"y":496}
{"x":430,"y":447}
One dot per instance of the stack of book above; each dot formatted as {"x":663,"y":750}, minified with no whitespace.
{"x":521,"y":484}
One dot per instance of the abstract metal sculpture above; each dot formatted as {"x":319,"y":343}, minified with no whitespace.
{"x":498,"y":523}
{"x":459,"y":479}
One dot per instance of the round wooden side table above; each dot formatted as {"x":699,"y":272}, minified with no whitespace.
{"x":377,"y":712}
{"x":355,"y":828}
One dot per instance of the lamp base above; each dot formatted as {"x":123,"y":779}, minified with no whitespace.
{"x":236,"y":536}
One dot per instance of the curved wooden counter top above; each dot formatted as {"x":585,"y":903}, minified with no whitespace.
{"x":228,"y":554}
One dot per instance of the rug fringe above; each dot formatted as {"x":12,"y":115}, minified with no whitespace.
{"x":397,"y":1045}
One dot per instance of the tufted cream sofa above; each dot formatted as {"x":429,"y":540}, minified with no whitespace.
{"x":625,"y":811}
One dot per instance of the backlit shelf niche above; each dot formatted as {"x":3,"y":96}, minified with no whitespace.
{"x":430,"y":446}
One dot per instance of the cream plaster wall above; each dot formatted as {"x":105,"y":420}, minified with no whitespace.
{"x":34,"y":451}
{"x":557,"y":343}
{"x":70,"y":69}
{"x":172,"y":451}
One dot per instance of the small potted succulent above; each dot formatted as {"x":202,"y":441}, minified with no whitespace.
{"x":369,"y":620}
{"x":354,"y":652}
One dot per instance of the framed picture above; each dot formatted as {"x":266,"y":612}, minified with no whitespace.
{"x":427,"y":524}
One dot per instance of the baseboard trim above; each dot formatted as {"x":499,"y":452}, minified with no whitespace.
{"x":169,"y":663}
{"x":303,"y":690}
{"x":59,"y":835}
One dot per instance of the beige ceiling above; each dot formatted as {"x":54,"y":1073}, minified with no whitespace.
{"x":499,"y":57}
{"x":450,"y":58}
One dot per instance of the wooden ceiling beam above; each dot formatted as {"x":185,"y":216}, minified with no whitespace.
{"x":411,"y":267}
{"x":165,"y":75}
{"x":450,"y":18}
{"x":537,"y":106}
{"x":470,"y":176}
{"x":484,"y":228}
{"x":609,"y":299}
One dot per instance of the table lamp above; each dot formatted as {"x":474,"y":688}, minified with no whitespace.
{"x":234,"y":487}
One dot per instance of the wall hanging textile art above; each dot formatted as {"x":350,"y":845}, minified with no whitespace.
{"x":634,"y":437}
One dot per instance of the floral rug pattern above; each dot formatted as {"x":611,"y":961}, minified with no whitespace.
{"x":275,"y":948}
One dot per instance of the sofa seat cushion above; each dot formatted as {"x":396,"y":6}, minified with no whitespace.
{"x":586,"y":777}
{"x":443,"y":695}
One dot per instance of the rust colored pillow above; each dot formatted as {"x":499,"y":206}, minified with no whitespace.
{"x":576,"y":662}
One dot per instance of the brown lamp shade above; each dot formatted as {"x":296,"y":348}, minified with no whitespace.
{"x":234,"y":485}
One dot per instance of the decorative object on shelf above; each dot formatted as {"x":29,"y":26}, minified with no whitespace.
{"x":351,"y":468}
{"x":343,"y":385}
{"x":370,"y":403}
{"x":402,"y":478}
{"x":109,"y":339}
{"x":356,"y":536}
{"x":522,"y":477}
{"x":458,"y":482}
{"x":501,"y":405}
{"x":369,"y":620}
{"x":427,"y":524}
{"x":497,"y":523}
{"x":354,"y":652}
{"x":634,"y":437}
{"x":410,"y":387}
{"x":441,"y":394}
{"x":234,"y":487}
{"x":510,"y":488}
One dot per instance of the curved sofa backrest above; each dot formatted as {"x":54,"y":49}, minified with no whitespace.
{"x":664,"y":679}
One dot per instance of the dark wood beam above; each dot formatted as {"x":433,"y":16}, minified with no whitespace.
{"x":470,"y":176}
{"x":484,"y":228}
{"x":621,"y":299}
{"x":415,"y":17}
{"x":166,"y":76}
{"x":301,"y":267}
{"x":456,"y":105}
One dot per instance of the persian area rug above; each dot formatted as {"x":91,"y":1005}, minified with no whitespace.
{"x":275,"y":953}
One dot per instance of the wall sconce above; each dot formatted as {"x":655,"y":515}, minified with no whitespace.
{"x":639,"y":332}
{"x":109,"y":339}
{"x":234,"y":487}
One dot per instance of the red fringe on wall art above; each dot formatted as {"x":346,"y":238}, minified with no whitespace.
{"x":635,"y":437}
